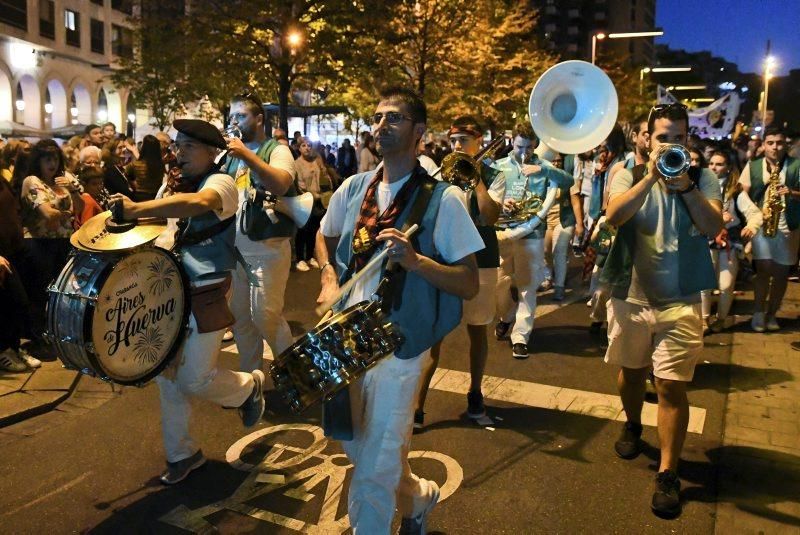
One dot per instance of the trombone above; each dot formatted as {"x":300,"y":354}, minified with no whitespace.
{"x":462,"y":170}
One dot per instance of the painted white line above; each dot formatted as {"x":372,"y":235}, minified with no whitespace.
{"x":606,"y":406}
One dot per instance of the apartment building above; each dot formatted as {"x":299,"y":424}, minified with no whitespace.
{"x":55,"y":58}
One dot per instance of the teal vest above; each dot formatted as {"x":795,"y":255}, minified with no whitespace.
{"x":758,"y":187}
{"x":212,"y":258}
{"x":695,"y":269}
{"x":566,"y":216}
{"x":285,"y":227}
{"x":423,"y":313}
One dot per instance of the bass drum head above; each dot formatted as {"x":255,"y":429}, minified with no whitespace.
{"x":140,"y":317}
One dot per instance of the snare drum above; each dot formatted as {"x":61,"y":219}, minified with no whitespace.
{"x":333,"y":355}
{"x":119,"y":316}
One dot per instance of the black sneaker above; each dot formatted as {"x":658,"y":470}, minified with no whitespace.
{"x":177,"y":472}
{"x":667,"y":497}
{"x":475,"y":407}
{"x":519,"y":351}
{"x":629,"y":445}
{"x":596,"y":328}
{"x":253,"y":408}
{"x":419,"y":421}
{"x":501,"y":330}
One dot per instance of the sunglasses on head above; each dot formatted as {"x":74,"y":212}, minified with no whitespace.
{"x":252,"y":97}
{"x":659,"y":109}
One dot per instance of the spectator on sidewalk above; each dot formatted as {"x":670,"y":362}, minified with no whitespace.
{"x":147,"y":172}
{"x":346,"y":163}
{"x":369,"y":156}
{"x":94,"y":197}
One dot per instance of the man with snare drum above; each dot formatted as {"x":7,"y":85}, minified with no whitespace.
{"x":438,"y":271}
{"x":206,"y":204}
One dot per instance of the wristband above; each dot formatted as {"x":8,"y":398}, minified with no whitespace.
{"x":326,"y":264}
{"x":689,"y":189}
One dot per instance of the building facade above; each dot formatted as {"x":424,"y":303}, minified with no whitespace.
{"x":55,"y":58}
{"x":567,"y":27}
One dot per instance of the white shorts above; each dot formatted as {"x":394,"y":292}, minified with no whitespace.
{"x":668,"y":338}
{"x":480,"y":309}
{"x":781,"y":249}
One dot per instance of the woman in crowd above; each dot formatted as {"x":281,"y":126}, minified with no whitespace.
{"x":147,"y":172}
{"x":698,"y":160}
{"x":742,"y":219}
{"x":8,"y":156}
{"x":113,"y":163}
{"x":369,"y":159}
{"x":50,"y":200}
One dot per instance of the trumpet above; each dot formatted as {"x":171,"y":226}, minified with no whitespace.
{"x":462,"y":170}
{"x":673,"y":160}
{"x":232,"y":131}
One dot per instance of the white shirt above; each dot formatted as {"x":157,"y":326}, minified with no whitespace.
{"x":454,"y":234}
{"x":281,"y":158}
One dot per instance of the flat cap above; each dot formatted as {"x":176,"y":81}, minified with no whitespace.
{"x":202,"y":131}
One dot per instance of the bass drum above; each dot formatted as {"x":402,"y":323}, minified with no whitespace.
{"x":119,"y":317}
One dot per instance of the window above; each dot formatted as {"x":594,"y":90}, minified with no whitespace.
{"x":97,"y":31}
{"x":551,"y":10}
{"x":572,"y":30}
{"x":121,"y":41}
{"x":573,"y":13}
{"x":550,"y":27}
{"x":572,"y":47}
{"x":126,"y":6}
{"x":14,"y":13}
{"x":600,"y":15}
{"x":72,"y":23}
{"x":47,"y":19}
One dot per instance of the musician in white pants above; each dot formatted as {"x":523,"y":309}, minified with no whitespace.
{"x":258,"y":163}
{"x":525,"y":174}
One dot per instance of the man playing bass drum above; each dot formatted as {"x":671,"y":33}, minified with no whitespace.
{"x":205,"y":202}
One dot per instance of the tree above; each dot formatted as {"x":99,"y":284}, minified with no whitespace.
{"x":156,"y":73}
{"x":276,"y":48}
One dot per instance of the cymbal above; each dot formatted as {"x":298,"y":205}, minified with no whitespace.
{"x":94,"y":235}
{"x":73,"y":240}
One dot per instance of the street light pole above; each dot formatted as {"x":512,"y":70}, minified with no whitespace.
{"x":768,"y":64}
{"x":642,"y":72}
{"x":596,"y":37}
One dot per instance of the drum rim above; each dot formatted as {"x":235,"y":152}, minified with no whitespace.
{"x":173,"y":350}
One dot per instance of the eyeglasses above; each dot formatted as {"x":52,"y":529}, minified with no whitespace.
{"x":392,"y":117}
{"x":660,"y":109}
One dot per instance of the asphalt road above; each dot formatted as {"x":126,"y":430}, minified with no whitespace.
{"x":92,"y":466}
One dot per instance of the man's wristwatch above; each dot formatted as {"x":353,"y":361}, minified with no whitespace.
{"x":691,"y":187}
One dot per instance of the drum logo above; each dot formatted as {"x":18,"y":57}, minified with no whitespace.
{"x":136,"y":318}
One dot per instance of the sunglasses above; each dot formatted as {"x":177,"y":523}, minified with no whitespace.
{"x":392,"y":117}
{"x":657,"y":110}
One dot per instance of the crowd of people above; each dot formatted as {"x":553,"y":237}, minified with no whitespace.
{"x":661,"y":257}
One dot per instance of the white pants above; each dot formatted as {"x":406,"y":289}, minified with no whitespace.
{"x":562,"y":237}
{"x":726,"y":264}
{"x":197,"y":375}
{"x":527,"y":263}
{"x":505,"y":280}
{"x":259,"y":309}
{"x":383,"y":402}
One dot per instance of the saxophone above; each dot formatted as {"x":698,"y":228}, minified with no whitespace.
{"x":773,"y":203}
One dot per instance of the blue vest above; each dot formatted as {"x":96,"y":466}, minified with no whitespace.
{"x":695,"y":269}
{"x":212,"y":258}
{"x":566,"y":216}
{"x":423,"y":313}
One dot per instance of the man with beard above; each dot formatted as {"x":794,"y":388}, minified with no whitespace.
{"x":438,"y":270}
{"x":773,"y":256}
{"x":206,"y":204}
{"x":259,"y":165}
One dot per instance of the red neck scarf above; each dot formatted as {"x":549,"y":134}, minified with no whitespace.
{"x":370,"y":223}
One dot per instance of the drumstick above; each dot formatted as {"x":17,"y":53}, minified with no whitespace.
{"x":324,"y":307}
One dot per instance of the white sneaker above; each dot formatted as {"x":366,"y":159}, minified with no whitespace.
{"x":29,"y":360}
{"x":313,"y":263}
{"x":10,"y":362}
{"x":302,"y":266}
{"x":772,"y":324}
{"x":228,"y":336}
{"x":757,"y":322}
{"x":418,"y":524}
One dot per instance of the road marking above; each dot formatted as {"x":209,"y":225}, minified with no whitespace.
{"x":606,"y":406}
{"x":62,"y":488}
{"x":298,"y":479}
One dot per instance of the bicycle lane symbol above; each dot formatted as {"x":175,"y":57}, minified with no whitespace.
{"x":297,"y":471}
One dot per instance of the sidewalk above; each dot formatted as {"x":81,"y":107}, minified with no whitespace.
{"x":759,"y":461}
{"x":27,"y":394}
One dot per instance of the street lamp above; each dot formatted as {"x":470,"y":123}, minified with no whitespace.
{"x":769,"y":64}
{"x":596,"y":37}
{"x":294,"y":39}
{"x":646,"y":70}
{"x":623,"y":35}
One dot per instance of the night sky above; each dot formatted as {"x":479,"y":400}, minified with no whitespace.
{"x":736,"y":30}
